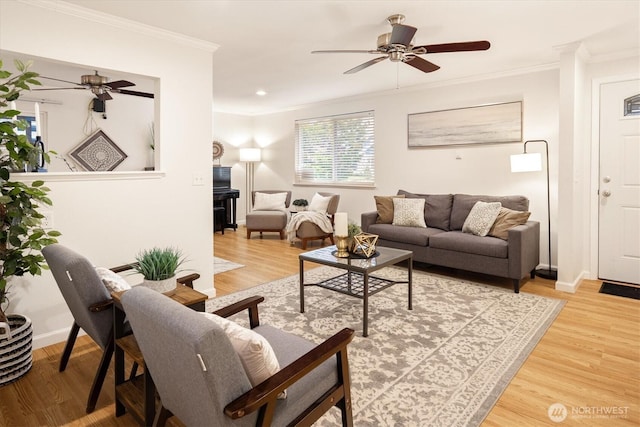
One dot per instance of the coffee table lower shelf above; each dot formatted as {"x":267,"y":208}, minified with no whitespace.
{"x":352,"y":284}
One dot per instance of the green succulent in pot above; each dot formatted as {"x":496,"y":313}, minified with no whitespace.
{"x":158,"y":263}
{"x":21,"y":232}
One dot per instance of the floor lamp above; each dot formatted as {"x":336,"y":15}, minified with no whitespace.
{"x":249,"y":156}
{"x":530,"y":162}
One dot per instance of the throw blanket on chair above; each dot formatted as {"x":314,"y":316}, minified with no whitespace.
{"x":319,"y":219}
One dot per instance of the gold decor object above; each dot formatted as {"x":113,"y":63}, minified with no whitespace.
{"x":342,"y":246}
{"x":365,"y":244}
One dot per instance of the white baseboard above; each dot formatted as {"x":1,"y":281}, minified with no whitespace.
{"x":571,"y":287}
{"x":53,"y":337}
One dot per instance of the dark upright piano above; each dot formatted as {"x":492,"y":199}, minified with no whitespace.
{"x":224,"y":195}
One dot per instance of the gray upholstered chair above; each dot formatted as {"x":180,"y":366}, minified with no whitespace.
{"x":309,"y":231}
{"x":90,"y":304}
{"x":201,"y":380}
{"x":268,"y":220}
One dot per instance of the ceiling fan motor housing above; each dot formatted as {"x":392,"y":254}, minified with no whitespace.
{"x":94,"y":80}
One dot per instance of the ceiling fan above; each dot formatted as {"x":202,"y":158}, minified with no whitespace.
{"x":396,"y":46}
{"x":100,"y":86}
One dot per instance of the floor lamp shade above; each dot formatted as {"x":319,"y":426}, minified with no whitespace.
{"x":250,"y":155}
{"x":526,"y":162}
{"x":532,"y":162}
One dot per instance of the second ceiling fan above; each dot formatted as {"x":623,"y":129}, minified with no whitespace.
{"x":396,"y":46}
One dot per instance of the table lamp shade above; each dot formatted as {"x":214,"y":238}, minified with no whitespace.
{"x":527,"y":162}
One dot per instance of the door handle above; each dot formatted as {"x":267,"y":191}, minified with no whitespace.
{"x":606,"y":193}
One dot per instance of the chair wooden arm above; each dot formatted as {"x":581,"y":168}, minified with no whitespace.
{"x":100,"y":306}
{"x":267,"y":391}
{"x":121,"y":268}
{"x":188,"y":279}
{"x":250,"y":304}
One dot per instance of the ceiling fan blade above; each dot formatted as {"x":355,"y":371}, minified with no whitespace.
{"x":61,"y":88}
{"x":104,"y":96}
{"x":60,"y":80}
{"x":420,"y":64}
{"x":402,"y":34}
{"x":365,"y":65}
{"x":119,"y":83}
{"x":345,"y":51}
{"x":453,"y":47}
{"x":134,"y":93}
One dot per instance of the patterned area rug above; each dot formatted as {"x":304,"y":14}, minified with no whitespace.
{"x":220,"y":265}
{"x":445,"y":363}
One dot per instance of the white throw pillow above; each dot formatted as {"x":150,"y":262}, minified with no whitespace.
{"x":112,"y":281}
{"x":269,"y":201}
{"x":409,"y":212}
{"x":319,"y":203}
{"x":481,"y":218}
{"x":256,"y":355}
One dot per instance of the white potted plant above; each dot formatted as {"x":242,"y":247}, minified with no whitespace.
{"x":159,"y":267}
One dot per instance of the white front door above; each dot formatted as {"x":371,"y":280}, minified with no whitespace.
{"x":619,"y":185}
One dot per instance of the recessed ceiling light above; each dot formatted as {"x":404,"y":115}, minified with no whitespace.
{"x":261,"y":92}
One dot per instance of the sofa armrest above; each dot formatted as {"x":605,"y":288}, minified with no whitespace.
{"x":367,"y":219}
{"x":524,"y":249}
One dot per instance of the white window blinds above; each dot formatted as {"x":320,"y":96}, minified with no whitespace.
{"x":336,"y":150}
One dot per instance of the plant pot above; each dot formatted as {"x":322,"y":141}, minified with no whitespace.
{"x":15,"y":348}
{"x":160,"y":285}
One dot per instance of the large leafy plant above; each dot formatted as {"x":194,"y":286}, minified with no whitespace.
{"x":21,"y":233}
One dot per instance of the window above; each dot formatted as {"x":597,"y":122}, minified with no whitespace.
{"x":336,"y":150}
{"x":632,"y":106}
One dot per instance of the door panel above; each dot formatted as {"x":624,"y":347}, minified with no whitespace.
{"x":619,"y":189}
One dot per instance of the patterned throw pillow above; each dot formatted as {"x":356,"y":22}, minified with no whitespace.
{"x":507,"y":219}
{"x":409,"y":212}
{"x":112,"y":281}
{"x":481,"y":218}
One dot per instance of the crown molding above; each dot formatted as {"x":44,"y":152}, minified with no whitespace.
{"x":121,"y":23}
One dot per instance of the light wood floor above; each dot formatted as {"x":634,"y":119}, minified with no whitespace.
{"x":589,"y":359}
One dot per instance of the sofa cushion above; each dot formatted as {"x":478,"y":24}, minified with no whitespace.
{"x":384,"y":207}
{"x":411,"y":235}
{"x":506,"y":220}
{"x":481,"y":218}
{"x":470,"y":244}
{"x":437,"y":208}
{"x":408,"y":212}
{"x":462,"y":204}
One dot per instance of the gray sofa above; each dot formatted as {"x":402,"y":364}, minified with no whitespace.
{"x":443,"y":243}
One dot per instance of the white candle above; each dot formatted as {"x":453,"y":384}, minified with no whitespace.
{"x":12,"y":105}
{"x":340,"y":220}
{"x":37,"y":114}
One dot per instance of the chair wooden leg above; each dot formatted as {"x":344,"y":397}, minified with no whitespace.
{"x":162,"y":416}
{"x":73,"y":334}
{"x":98,"y":380}
{"x":516,"y":286}
{"x":281,"y":234}
{"x":248,"y":234}
{"x":304,"y":243}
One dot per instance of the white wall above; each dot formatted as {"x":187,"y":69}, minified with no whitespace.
{"x":109,"y":218}
{"x":472,"y":169}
